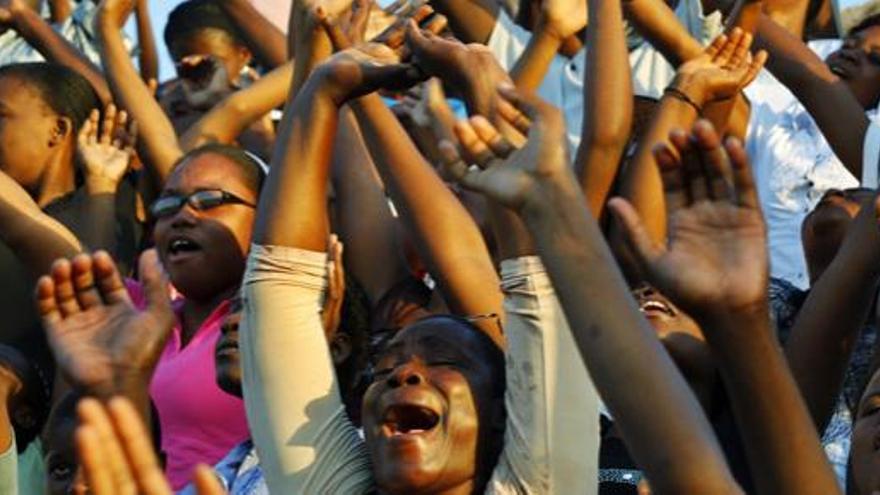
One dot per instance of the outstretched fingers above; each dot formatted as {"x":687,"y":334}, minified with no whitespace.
{"x":743,"y":181}
{"x":138,"y":447}
{"x":456,"y":167}
{"x":84,"y":282}
{"x":108,"y":280}
{"x":716,"y":163}
{"x":498,"y":144}
{"x":473,"y":148}
{"x":65,"y":296}
{"x":646,"y":251}
{"x":107,"y":466}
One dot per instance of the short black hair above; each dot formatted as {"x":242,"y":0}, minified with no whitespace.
{"x":193,"y":16}
{"x":64,"y":91}
{"x":251,"y":167}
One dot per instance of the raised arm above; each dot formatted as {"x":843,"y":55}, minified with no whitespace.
{"x":559,"y":20}
{"x":674,"y":444}
{"x":608,"y":101}
{"x":158,"y":146}
{"x":790,"y":14}
{"x":36,"y":238}
{"x":284,"y":283}
{"x":265,"y":40}
{"x":472,"y":21}
{"x":148,"y":56}
{"x":232,"y":116}
{"x":827,"y":98}
{"x":39,"y":34}
{"x":829,"y":322}
{"x":715,"y":267}
{"x":721,"y":71}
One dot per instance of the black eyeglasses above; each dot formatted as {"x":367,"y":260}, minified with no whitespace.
{"x":199,"y":200}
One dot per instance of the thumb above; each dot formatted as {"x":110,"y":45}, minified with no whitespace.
{"x":155,"y":285}
{"x":637,"y":238}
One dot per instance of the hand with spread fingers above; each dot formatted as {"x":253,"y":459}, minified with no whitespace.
{"x":331,"y":313}
{"x":716,"y":256}
{"x":106,"y":148}
{"x":101,"y":342}
{"x":507,"y":175}
{"x":724,"y":68}
{"x":117,"y":456}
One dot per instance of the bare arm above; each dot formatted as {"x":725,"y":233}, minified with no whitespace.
{"x":715,"y":267}
{"x":266,"y":41}
{"x":158,"y":144}
{"x":608,"y":105}
{"x":790,"y":14}
{"x":559,"y":20}
{"x":828,"y":98}
{"x":364,"y":220}
{"x":40,"y":35}
{"x":829,"y":323}
{"x":472,"y":21}
{"x":148,"y":57}
{"x":676,"y":448}
{"x":229,"y":118}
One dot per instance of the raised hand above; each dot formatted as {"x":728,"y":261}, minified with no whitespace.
{"x":106,"y":148}
{"x":724,"y":68}
{"x":117,"y":454}
{"x":363,"y":69}
{"x":9,"y":9}
{"x":716,"y":257}
{"x":507,"y":175}
{"x":563,"y":18}
{"x":205,"y":81}
{"x":101,"y":342}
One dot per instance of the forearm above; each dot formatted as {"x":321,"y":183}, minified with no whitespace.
{"x":363,"y":217}
{"x":299,"y":173}
{"x":148,"y":57}
{"x":472,"y":21}
{"x":266,"y":41}
{"x":60,"y":10}
{"x":532,"y":66}
{"x":641,"y":184}
{"x":826,"y":97}
{"x":157,"y":139}
{"x":40,"y":35}
{"x":308,"y":44}
{"x":831,"y":319}
{"x":227,"y":120}
{"x":447,"y":237}
{"x":99,"y":231}
{"x":790,"y":14}
{"x":676,"y":448}
{"x":608,"y":100}
{"x":659,"y":25}
{"x":781,"y":443}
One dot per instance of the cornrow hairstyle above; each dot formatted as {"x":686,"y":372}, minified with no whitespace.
{"x":64,"y":91}
{"x":193,"y":16}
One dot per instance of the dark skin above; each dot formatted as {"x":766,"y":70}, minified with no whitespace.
{"x":221,"y":236}
{"x":442,"y":370}
{"x":866,"y":431}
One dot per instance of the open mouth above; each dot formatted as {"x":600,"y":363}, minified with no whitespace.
{"x":650,"y":306}
{"x":182,"y":245}
{"x":402,"y":420}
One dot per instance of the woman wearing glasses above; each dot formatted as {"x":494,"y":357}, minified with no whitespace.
{"x":203,"y":220}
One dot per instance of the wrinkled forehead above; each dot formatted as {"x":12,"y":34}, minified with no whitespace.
{"x":441,"y":337}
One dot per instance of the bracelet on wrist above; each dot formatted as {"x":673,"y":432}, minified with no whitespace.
{"x":682,"y":96}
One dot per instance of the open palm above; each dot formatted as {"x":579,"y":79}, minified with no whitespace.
{"x":716,"y":255}
{"x":98,"y":337}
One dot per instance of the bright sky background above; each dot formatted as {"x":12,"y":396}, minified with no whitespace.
{"x":846,"y":3}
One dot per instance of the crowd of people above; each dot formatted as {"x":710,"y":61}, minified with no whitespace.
{"x":440,"y":247}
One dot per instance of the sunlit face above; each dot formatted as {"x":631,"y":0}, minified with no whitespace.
{"x":27,"y":127}
{"x":865,"y":451}
{"x":204,"y":252}
{"x":428,"y":415}
{"x":858,"y":64}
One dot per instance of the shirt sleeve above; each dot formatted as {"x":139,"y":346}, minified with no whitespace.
{"x":871,"y":156}
{"x":305,"y":441}
{"x":551,"y":441}
{"x":9,"y":469}
{"x":508,"y":41}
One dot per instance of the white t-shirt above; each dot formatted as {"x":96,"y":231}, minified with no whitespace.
{"x":793,"y":166}
{"x":563,"y":85}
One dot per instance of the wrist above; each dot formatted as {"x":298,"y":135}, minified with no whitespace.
{"x":101,"y":185}
{"x":548,"y":30}
{"x":692,"y":87}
